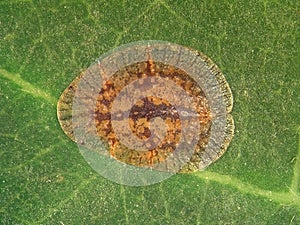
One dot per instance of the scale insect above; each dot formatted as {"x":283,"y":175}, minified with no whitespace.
{"x":149,"y":105}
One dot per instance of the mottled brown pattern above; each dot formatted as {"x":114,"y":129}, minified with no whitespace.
{"x":148,"y":108}
{"x":139,"y":114}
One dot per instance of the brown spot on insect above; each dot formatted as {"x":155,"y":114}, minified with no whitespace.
{"x":151,"y":105}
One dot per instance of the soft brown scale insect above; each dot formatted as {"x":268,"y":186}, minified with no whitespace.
{"x":148,"y":108}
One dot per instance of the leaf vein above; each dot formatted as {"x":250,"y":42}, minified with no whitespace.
{"x":173,"y":12}
{"x":133,"y":21}
{"x":287,"y":198}
{"x":296,"y":176}
{"x":70,"y":197}
{"x":122,"y":190}
{"x":27,"y":87}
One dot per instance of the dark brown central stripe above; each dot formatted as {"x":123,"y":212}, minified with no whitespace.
{"x":148,"y":108}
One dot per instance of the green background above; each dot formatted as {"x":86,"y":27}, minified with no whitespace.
{"x":44,"y":45}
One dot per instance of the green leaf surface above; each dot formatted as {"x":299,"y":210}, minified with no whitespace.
{"x":44,"y":45}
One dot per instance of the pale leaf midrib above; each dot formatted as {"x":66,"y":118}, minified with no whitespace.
{"x":27,"y":87}
{"x":286,"y":198}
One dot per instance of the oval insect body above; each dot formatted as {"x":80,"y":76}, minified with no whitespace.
{"x":148,"y":110}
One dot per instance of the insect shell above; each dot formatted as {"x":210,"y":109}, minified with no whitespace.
{"x":147,"y":126}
